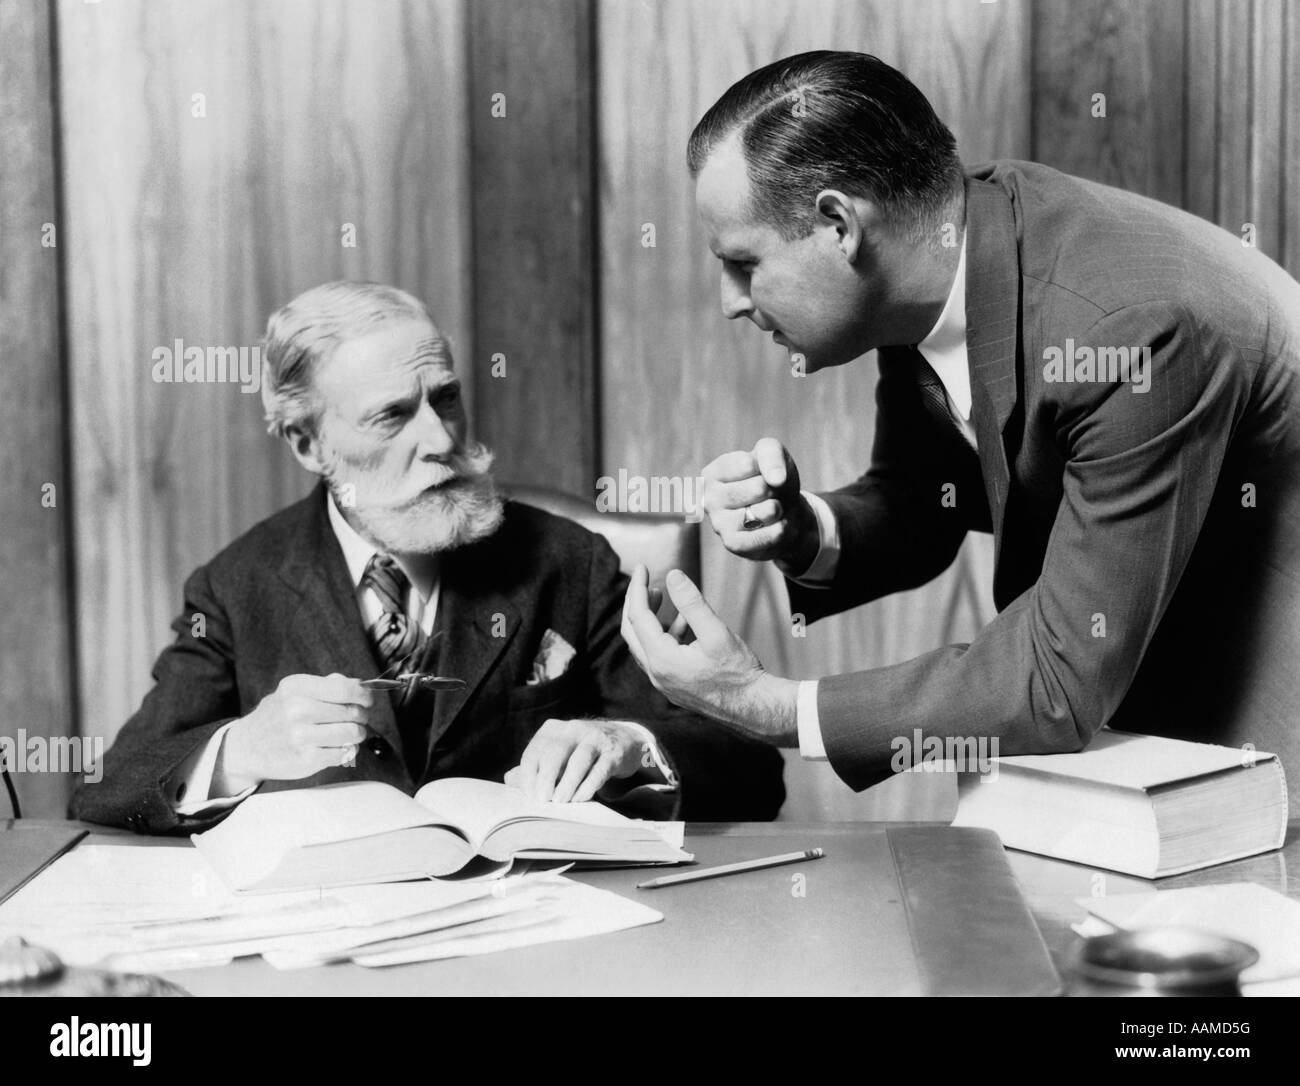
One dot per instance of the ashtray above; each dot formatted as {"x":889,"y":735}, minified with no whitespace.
{"x":1164,"y":959}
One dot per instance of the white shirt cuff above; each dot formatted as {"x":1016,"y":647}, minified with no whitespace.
{"x":822,"y":570}
{"x":811,"y":744}
{"x":652,"y":760}
{"x":653,"y":788}
{"x":191,"y":785}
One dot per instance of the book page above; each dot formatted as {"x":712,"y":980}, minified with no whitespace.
{"x":1137,"y":761}
{"x":479,"y":807}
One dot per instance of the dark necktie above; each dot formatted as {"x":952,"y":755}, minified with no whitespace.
{"x":934,"y":396}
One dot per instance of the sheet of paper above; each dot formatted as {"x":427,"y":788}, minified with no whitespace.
{"x":527,"y":899}
{"x":385,"y":902}
{"x":672,"y":832}
{"x":108,"y":884}
{"x":578,"y":912}
{"x":1267,"y":920}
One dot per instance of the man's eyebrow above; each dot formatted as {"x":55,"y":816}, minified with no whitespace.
{"x":378,"y":407}
{"x":444,"y":380}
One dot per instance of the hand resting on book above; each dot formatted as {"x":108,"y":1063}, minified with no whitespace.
{"x":569,"y":761}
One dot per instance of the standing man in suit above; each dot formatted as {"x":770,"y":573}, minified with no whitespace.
{"x":405,"y":559}
{"x":1108,"y":385}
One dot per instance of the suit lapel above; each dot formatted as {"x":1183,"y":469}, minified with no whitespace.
{"x":992,"y":333}
{"x":476,"y":625}
{"x":327,"y":633}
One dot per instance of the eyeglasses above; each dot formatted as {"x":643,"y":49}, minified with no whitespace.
{"x":408,"y":680}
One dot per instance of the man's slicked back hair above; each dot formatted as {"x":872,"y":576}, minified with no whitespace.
{"x":836,"y":120}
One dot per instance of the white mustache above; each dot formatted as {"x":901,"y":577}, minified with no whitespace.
{"x":442,"y":475}
{"x":464,"y":468}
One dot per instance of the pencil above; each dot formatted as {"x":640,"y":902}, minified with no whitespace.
{"x":731,"y":869}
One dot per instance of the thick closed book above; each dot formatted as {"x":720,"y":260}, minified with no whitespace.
{"x":1141,"y":804}
{"x":366,"y":832}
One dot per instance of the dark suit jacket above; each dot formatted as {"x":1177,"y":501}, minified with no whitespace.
{"x":279,"y":601}
{"x":1171,"y":516}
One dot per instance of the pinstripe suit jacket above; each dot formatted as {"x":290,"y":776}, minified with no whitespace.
{"x":1147,"y":543}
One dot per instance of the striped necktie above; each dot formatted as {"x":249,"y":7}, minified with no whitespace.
{"x":395,"y":636}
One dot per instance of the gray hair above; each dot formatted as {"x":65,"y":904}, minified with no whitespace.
{"x":306,"y":331}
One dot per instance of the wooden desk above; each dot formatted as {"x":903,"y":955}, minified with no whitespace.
{"x":747,"y":934}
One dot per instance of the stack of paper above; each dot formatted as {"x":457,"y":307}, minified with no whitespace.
{"x":543,"y":908}
{"x":151,"y":909}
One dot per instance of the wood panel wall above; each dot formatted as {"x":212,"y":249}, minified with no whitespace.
{"x":193,"y":218}
{"x":36,"y":666}
{"x":534,"y":268}
{"x":1202,"y":106}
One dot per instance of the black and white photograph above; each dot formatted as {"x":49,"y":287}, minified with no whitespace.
{"x":651,"y":498}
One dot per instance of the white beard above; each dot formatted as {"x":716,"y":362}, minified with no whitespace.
{"x":464,"y":508}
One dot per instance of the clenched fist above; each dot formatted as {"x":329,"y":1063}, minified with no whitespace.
{"x":754,"y":503}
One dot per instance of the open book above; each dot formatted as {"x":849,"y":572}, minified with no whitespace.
{"x":366,"y":831}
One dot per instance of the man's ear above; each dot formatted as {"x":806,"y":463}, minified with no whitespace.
{"x":306,"y":449}
{"x":852,"y":218}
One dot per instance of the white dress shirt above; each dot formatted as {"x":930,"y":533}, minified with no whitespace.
{"x":191,"y":788}
{"x":191,"y":783}
{"x":945,"y":349}
{"x":423,"y":582}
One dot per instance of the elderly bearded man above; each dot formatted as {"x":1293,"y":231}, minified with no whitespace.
{"x":405,"y":557}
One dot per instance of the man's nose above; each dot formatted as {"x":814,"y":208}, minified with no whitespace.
{"x":735,"y":299}
{"x":437,"y":436}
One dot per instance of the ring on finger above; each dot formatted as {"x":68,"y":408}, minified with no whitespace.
{"x":750,"y":521}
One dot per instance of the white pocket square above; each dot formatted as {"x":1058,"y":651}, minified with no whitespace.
{"x":553,"y":658}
